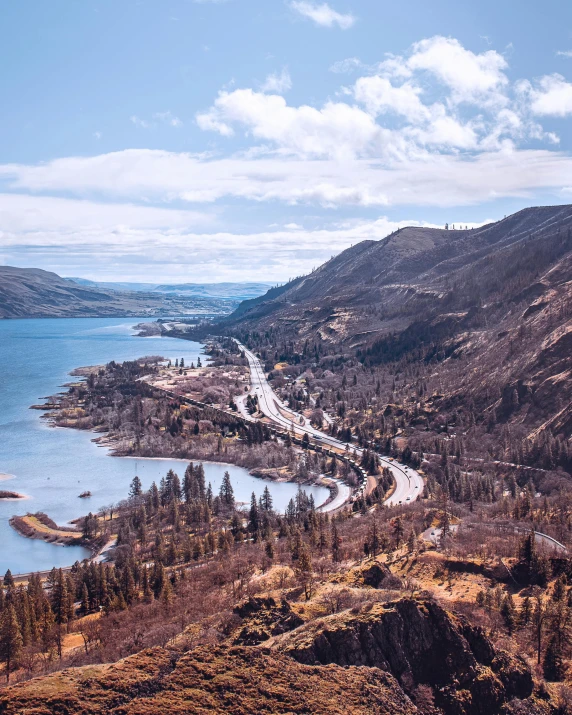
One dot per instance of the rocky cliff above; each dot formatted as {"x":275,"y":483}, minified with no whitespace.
{"x":419,"y":643}
{"x":405,"y":657}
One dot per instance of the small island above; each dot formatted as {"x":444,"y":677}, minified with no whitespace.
{"x":11,"y":495}
{"x":40,"y":526}
{"x":85,"y":495}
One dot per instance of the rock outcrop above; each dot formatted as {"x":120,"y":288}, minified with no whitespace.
{"x":420,"y":644}
{"x":406,"y":657}
{"x":263,"y":618}
{"x":236,"y":680}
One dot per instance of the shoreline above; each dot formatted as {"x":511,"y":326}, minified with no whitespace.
{"x":14,"y":496}
{"x":107,"y":443}
{"x":239,"y":466}
{"x":40,"y":527}
{"x":54,"y":537}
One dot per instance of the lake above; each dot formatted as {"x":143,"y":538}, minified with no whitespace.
{"x":53,"y":466}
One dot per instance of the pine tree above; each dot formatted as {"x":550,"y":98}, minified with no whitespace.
{"x":10,"y":639}
{"x":136,"y":489}
{"x":528,"y":548}
{"x":84,"y":599}
{"x":398,"y":531}
{"x":8,"y":580}
{"x":226,"y":492}
{"x":373,"y":539}
{"x":253,"y":516}
{"x":266,"y":499}
{"x":167,"y":592}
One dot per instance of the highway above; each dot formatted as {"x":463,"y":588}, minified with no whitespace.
{"x":408,"y":483}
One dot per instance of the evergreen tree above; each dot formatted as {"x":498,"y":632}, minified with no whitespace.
{"x":8,"y":580}
{"x":398,"y":531}
{"x":226,"y":492}
{"x":559,"y":591}
{"x":266,"y":499}
{"x":528,"y":548}
{"x":147,"y":593}
{"x":136,"y":489}
{"x":253,"y":516}
{"x":10,"y":639}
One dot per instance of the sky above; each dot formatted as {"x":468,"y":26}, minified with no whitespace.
{"x":216,"y":140}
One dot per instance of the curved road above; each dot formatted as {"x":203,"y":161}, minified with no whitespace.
{"x":408,"y":482}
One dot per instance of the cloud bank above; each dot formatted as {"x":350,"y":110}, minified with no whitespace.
{"x":438,"y":126}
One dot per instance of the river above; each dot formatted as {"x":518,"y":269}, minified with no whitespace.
{"x":53,"y":466}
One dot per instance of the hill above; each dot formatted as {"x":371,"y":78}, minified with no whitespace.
{"x":34,"y":293}
{"x":487,"y":313}
{"x":380,"y":659}
{"x":229,"y":291}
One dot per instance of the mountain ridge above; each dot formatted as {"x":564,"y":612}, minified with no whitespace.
{"x":36,"y":293}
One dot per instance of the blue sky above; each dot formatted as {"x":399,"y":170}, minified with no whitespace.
{"x":176,"y":140}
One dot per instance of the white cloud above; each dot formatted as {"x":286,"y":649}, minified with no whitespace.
{"x":446,"y":132}
{"x":322,"y":14}
{"x":551,"y":95}
{"x":439,"y":126}
{"x":379,"y":96}
{"x":472,"y":108}
{"x":278,"y":83}
{"x":337,"y":129}
{"x":22,"y":213}
{"x":430,"y":180}
{"x":564,"y":53}
{"x":472,"y":77}
{"x":70,"y":246}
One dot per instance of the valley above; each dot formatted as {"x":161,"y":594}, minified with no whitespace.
{"x":424,"y":379}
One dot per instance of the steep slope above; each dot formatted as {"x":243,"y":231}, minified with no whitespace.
{"x":410,"y":263}
{"x":419,"y":643}
{"x":488,"y":312}
{"x":378,"y":659}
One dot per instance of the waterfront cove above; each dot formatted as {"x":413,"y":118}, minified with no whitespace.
{"x":53,"y":466}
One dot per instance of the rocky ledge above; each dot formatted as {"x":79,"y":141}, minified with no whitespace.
{"x":399,"y":658}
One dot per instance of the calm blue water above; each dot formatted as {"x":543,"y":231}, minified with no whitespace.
{"x":53,"y":466}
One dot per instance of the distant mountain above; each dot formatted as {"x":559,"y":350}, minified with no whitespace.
{"x":231,"y":291}
{"x":489,"y":308}
{"x":34,"y":293}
